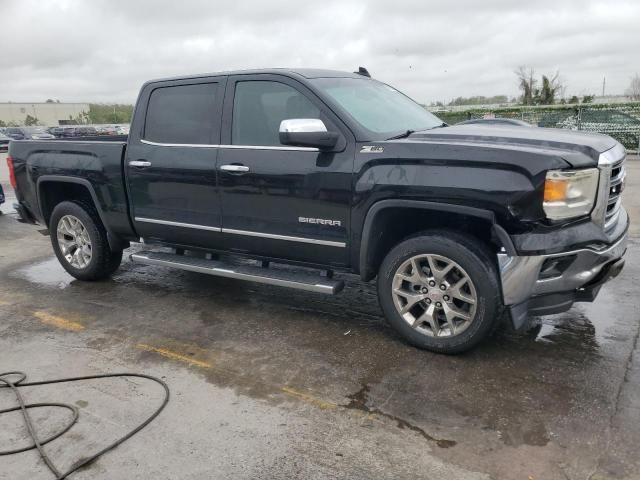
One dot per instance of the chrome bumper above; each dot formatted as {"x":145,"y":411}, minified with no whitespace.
{"x":521,"y":279}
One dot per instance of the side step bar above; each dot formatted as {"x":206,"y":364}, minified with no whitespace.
{"x":281,"y":278}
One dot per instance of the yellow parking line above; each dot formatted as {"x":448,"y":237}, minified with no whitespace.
{"x":305,"y":397}
{"x":174,"y":355}
{"x":58,"y":322}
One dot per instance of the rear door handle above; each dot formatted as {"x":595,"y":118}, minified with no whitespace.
{"x":139,"y":163}
{"x":234,"y":168}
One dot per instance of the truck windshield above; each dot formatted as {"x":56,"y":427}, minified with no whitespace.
{"x":380,"y":109}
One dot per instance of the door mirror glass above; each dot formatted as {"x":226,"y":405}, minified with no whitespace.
{"x":307,"y":132}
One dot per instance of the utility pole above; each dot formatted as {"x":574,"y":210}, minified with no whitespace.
{"x":604,"y":83}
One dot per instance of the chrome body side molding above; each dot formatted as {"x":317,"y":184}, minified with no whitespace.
{"x":178,"y":224}
{"x":240,"y":147}
{"x":285,"y":237}
{"x":232,"y":231}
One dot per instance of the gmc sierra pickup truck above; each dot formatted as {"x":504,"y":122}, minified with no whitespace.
{"x":315,"y":169}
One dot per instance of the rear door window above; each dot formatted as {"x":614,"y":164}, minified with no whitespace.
{"x":183,"y":114}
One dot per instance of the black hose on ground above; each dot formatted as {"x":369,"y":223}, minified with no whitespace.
{"x":38,"y":444}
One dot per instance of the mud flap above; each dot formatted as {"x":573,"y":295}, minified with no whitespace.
{"x":518,"y":315}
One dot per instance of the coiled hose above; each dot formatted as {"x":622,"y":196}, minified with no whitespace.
{"x":5,"y":382}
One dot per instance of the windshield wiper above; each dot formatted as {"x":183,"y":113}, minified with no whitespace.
{"x":407,"y":133}
{"x":404,"y":134}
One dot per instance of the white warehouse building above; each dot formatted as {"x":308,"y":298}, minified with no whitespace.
{"x":48,"y":114}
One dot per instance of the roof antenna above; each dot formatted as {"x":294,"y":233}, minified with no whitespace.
{"x":364,"y":72}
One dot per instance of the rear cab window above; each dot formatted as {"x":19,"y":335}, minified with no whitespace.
{"x":183,"y":114}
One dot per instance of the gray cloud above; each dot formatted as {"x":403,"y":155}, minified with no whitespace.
{"x":76,"y":50}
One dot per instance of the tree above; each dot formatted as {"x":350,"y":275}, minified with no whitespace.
{"x":633,"y":91}
{"x":81,"y":119}
{"x":49,"y":100}
{"x":102,"y":113}
{"x":574,"y":99}
{"x":527,"y":81}
{"x":31,"y":121}
{"x":551,"y":88}
{"x":588,"y":98}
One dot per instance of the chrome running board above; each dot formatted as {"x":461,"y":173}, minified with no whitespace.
{"x":292,"y":279}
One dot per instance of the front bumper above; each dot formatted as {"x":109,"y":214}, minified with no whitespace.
{"x":546,"y":284}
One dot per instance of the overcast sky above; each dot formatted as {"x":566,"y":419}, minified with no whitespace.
{"x":102,"y":51}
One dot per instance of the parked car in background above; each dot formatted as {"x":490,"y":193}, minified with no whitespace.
{"x":105,"y":130}
{"x":496,"y":121}
{"x":86,"y":131}
{"x":122,"y":129}
{"x":4,"y":142}
{"x":28,"y":133}
{"x":55,"y":131}
{"x":65,"y":132}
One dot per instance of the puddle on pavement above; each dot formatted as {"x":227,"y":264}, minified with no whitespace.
{"x":592,"y":325}
{"x":545,"y":330}
{"x":570,"y":329}
{"x":48,"y":273}
{"x":359,"y":401}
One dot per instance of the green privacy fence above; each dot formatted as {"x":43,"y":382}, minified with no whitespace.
{"x":619,"y":120}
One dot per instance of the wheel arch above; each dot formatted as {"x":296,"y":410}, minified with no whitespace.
{"x":376,"y":240}
{"x":48,"y":196}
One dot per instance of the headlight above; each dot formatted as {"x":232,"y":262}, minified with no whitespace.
{"x":569,"y":193}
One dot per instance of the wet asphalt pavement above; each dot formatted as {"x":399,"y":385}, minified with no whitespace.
{"x":275,"y":383}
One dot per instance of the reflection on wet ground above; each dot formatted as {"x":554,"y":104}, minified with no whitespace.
{"x":47,"y":273}
{"x":359,"y":401}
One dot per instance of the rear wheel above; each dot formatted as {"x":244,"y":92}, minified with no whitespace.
{"x":440,"y":291}
{"x":80,"y":242}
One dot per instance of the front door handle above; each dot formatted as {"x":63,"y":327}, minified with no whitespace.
{"x":139,"y":163}
{"x":234,"y":168}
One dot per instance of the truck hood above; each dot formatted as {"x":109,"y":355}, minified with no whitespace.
{"x":579,"y":149}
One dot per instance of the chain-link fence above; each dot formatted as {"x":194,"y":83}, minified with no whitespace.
{"x":621,"y":121}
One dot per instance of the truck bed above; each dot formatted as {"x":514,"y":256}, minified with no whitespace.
{"x":94,"y":163}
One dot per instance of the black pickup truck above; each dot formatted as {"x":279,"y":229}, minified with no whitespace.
{"x":336,"y":171}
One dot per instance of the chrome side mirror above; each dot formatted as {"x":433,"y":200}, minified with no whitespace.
{"x":307,"y":132}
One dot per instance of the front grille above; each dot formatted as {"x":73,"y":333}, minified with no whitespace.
{"x":616,"y":185}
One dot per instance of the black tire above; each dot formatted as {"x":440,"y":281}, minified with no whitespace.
{"x":475,"y":259}
{"x":114,"y":262}
{"x":103,"y":261}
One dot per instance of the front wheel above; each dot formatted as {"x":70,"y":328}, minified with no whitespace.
{"x":80,"y":242}
{"x":440,"y":291}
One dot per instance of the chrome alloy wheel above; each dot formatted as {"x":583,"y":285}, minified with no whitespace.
{"x":74,"y":241}
{"x":434,"y":295}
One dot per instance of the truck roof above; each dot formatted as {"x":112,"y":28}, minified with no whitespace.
{"x":292,"y":72}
